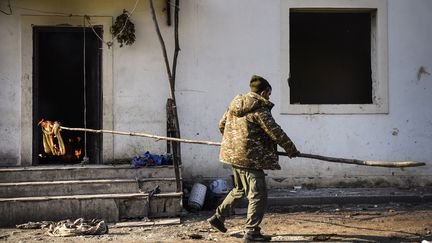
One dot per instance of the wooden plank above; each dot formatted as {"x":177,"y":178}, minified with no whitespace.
{"x":66,"y":182}
{"x":95,"y":196}
{"x":169,"y":221}
{"x":173,"y":131}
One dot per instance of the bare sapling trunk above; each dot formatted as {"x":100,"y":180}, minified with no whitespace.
{"x":171,"y":73}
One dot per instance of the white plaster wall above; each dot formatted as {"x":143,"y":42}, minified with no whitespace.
{"x":141,"y":86}
{"x":10,"y":90}
{"x":235,"y":39}
{"x":140,"y":89}
{"x":222,"y":44}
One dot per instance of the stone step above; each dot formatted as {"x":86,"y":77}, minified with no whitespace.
{"x":85,"y":187}
{"x":78,"y":172}
{"x":109,"y":207}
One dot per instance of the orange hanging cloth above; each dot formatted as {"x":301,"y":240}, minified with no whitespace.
{"x":51,"y":130}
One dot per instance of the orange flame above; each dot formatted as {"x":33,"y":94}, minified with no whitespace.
{"x":77,"y":153}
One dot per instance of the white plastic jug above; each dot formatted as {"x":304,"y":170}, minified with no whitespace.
{"x":219,"y":187}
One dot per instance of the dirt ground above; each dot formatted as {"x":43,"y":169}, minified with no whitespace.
{"x":331,"y":223}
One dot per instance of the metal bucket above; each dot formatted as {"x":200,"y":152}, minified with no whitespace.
{"x":197,"y":196}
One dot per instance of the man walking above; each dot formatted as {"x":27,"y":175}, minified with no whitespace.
{"x":249,"y":144}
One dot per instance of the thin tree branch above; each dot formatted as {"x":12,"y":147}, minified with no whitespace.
{"x":176,"y":39}
{"x":162,"y":42}
{"x":171,"y":74}
{"x":174,"y":71}
{"x":168,"y":11}
{"x":10,"y":9}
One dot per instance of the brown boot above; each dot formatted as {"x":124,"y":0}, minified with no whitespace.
{"x":217,"y":224}
{"x":251,"y":237}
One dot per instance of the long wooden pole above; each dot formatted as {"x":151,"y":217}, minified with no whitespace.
{"x":358,"y":162}
{"x":303,"y":155}
{"x":140,"y":134}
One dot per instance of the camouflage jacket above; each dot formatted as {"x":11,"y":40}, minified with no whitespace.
{"x":251,"y":135}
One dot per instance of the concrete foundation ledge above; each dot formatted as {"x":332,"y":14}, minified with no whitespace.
{"x":290,"y":197}
{"x":109,"y":207}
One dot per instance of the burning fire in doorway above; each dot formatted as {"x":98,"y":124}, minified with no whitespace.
{"x":74,"y":149}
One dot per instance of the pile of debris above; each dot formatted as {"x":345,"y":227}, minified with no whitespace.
{"x":66,"y":228}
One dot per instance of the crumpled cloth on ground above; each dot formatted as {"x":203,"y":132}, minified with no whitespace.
{"x":148,"y":159}
{"x":69,"y":228}
{"x":35,"y":225}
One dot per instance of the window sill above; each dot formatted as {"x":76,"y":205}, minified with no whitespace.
{"x":335,"y":109}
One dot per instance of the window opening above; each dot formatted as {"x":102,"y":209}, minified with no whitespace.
{"x":330,"y":57}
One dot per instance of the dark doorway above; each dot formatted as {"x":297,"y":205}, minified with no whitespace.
{"x":330,"y":57}
{"x":67,"y":88}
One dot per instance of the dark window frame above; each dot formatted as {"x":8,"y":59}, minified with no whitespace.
{"x":379,"y":57}
{"x":330,"y":56}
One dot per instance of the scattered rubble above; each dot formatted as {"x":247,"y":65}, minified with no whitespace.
{"x":68,"y":227}
{"x":389,"y":222}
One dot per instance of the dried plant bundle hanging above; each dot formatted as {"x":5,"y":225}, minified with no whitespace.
{"x":123,"y":29}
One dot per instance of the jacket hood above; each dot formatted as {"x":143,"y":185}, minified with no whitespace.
{"x":244,"y":104}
